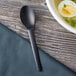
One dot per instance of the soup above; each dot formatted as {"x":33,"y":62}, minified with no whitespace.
{"x":67,"y":9}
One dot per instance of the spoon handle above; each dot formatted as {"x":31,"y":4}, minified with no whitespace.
{"x":35,"y":50}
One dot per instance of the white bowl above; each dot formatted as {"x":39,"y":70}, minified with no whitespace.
{"x":52,"y":9}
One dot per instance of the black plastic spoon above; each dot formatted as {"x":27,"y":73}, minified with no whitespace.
{"x":28,"y":19}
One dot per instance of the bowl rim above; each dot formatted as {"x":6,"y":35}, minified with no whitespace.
{"x":59,"y":20}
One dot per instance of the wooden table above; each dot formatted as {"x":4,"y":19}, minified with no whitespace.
{"x":50,"y":36}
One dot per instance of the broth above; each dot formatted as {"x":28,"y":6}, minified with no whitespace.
{"x":70,"y":20}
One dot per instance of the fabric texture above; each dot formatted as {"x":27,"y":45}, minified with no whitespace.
{"x":16,"y":58}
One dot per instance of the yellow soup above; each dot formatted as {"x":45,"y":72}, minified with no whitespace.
{"x":67,"y":9}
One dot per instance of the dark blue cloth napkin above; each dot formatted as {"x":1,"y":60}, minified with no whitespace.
{"x":16,"y":58}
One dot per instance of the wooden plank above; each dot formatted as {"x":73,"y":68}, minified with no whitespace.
{"x":50,"y":36}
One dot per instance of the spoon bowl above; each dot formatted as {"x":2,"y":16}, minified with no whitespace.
{"x":27,"y":17}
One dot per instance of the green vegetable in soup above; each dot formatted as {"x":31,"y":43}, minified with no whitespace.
{"x":71,"y":21}
{"x":65,"y":5}
{"x":58,"y":1}
{"x":74,"y":0}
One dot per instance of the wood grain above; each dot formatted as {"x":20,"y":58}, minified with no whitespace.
{"x":50,"y":36}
